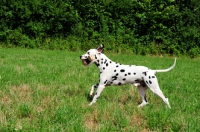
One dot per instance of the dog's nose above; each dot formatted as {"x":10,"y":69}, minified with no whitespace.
{"x":80,"y":57}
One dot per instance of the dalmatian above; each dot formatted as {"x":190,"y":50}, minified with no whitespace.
{"x":113,"y":73}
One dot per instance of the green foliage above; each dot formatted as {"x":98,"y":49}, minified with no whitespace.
{"x":193,"y":52}
{"x":171,"y":25}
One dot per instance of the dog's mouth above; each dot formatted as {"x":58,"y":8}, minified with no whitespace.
{"x":85,"y":62}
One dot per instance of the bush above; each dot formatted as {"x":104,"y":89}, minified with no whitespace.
{"x":145,"y":27}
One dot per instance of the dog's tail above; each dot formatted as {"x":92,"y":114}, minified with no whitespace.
{"x":166,"y":70}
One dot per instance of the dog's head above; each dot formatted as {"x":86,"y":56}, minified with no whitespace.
{"x":91,"y":55}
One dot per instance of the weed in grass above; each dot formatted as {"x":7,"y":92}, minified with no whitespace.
{"x":24,"y":110}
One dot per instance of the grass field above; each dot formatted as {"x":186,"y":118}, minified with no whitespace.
{"x":47,"y":91}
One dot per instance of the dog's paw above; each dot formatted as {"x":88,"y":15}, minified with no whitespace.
{"x":136,"y":84}
{"x":90,"y":104}
{"x":142,"y":104}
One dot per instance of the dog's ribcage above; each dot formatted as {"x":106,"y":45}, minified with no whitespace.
{"x":112,"y":73}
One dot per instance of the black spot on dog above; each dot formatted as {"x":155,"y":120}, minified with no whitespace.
{"x":150,"y":82}
{"x":122,"y":70}
{"x":100,"y":72}
{"x":103,"y":68}
{"x":106,"y":64}
{"x":102,"y":62}
{"x":129,"y":65}
{"x":95,"y":57}
{"x":105,"y":82}
{"x":88,"y":53}
{"x":110,"y":61}
{"x":149,"y":77}
{"x":115,"y":70}
{"x":117,"y":65}
{"x":119,"y":83}
{"x":145,"y":73}
{"x":114,"y":78}
{"x":153,"y":76}
{"x":96,"y":86}
{"x":147,"y":82}
{"x":125,"y":75}
{"x":129,"y":73}
{"x":117,"y":74}
{"x":134,"y":73}
{"x":101,"y":58}
{"x":124,"y":79}
{"x":105,"y":61}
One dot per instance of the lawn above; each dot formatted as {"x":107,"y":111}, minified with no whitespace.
{"x":44,"y":90}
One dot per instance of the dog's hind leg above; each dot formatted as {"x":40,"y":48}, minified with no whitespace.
{"x":152,"y":82}
{"x":142,"y":91}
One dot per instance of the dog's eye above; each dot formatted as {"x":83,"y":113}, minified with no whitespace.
{"x":88,"y":53}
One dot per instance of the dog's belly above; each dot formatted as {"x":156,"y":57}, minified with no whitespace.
{"x":116,"y":82}
{"x":122,"y":80}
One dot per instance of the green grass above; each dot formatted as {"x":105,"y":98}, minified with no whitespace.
{"x":47,"y":91}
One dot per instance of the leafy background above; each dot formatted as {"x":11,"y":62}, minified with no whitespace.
{"x":129,"y":26}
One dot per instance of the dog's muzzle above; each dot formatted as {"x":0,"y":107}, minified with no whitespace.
{"x":86,"y":61}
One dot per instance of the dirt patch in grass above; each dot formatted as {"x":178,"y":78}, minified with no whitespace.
{"x":6,"y":100}
{"x":91,"y":121}
{"x":139,"y":121}
{"x":18,"y":69}
{"x":21,"y":93}
{"x":42,"y":87}
{"x":32,"y":67}
{"x":2,"y":118}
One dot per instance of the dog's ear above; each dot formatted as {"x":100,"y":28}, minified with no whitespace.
{"x":100,"y":48}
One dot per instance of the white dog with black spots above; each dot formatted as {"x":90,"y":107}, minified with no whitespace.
{"x":112,"y":73}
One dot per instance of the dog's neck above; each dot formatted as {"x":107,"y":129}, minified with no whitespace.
{"x":102,"y":62}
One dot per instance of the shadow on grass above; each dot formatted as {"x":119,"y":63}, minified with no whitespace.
{"x":89,"y":98}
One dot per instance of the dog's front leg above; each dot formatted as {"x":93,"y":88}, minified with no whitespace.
{"x":99,"y":90}
{"x":92,"y":89}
